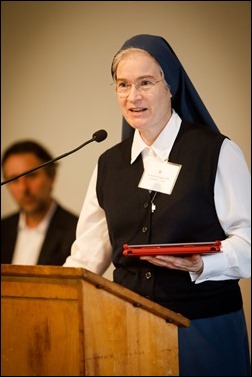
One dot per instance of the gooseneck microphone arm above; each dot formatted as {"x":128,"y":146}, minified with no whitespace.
{"x":98,"y":136}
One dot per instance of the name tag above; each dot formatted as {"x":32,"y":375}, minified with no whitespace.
{"x":160,"y":177}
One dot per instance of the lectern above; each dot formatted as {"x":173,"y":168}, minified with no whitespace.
{"x":59,"y":321}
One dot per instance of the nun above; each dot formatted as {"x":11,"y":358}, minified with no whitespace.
{"x":173,"y":178}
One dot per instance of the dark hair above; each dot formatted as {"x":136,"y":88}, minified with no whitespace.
{"x":30,"y":146}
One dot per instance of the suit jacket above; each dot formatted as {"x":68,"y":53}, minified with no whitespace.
{"x":57,"y":243}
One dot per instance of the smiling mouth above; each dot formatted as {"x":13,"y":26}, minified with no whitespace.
{"x":138,"y":110}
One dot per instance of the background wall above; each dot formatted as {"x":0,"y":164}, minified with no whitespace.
{"x":56,"y":58}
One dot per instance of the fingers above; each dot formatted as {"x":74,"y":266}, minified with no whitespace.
{"x":193,"y":263}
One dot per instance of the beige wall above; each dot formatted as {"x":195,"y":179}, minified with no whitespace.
{"x":56,"y":58}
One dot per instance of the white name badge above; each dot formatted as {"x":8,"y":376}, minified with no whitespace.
{"x":160,"y":177}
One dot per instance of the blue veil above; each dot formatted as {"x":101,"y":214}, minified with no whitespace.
{"x":185,"y":99}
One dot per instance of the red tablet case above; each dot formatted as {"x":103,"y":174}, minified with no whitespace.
{"x":172,"y":249}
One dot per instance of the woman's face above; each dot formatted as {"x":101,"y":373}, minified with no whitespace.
{"x":146,"y":106}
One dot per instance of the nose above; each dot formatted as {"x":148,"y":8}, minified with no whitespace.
{"x":23,"y":183}
{"x":134,"y":92}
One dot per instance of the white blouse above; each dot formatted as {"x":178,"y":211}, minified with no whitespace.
{"x":232,"y":194}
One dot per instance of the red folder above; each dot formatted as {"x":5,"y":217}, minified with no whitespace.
{"x":172,"y":249}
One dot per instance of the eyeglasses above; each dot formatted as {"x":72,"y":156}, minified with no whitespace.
{"x":142,"y":85}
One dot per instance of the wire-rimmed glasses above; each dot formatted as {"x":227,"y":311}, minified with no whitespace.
{"x":142,"y":85}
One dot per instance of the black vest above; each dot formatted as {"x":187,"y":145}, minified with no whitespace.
{"x":187,"y":215}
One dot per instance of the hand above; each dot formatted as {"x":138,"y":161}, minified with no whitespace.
{"x":192,"y":263}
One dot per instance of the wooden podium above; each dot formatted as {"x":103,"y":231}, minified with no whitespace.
{"x":58,"y":321}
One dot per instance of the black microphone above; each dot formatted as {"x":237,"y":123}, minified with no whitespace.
{"x":98,"y":136}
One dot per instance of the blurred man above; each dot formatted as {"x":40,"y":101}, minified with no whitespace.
{"x":42,"y":231}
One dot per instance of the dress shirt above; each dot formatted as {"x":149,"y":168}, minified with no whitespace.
{"x":232,"y":196}
{"x":30,"y":240}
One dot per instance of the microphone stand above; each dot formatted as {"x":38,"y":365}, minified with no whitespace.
{"x":97,"y":136}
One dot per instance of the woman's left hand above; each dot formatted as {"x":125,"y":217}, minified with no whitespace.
{"x":192,"y":263}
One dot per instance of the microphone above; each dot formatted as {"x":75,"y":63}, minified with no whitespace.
{"x":98,"y":136}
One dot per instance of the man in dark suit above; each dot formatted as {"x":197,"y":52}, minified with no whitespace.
{"x":42,"y":231}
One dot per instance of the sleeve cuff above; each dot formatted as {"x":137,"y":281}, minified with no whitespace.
{"x":214,"y":266}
